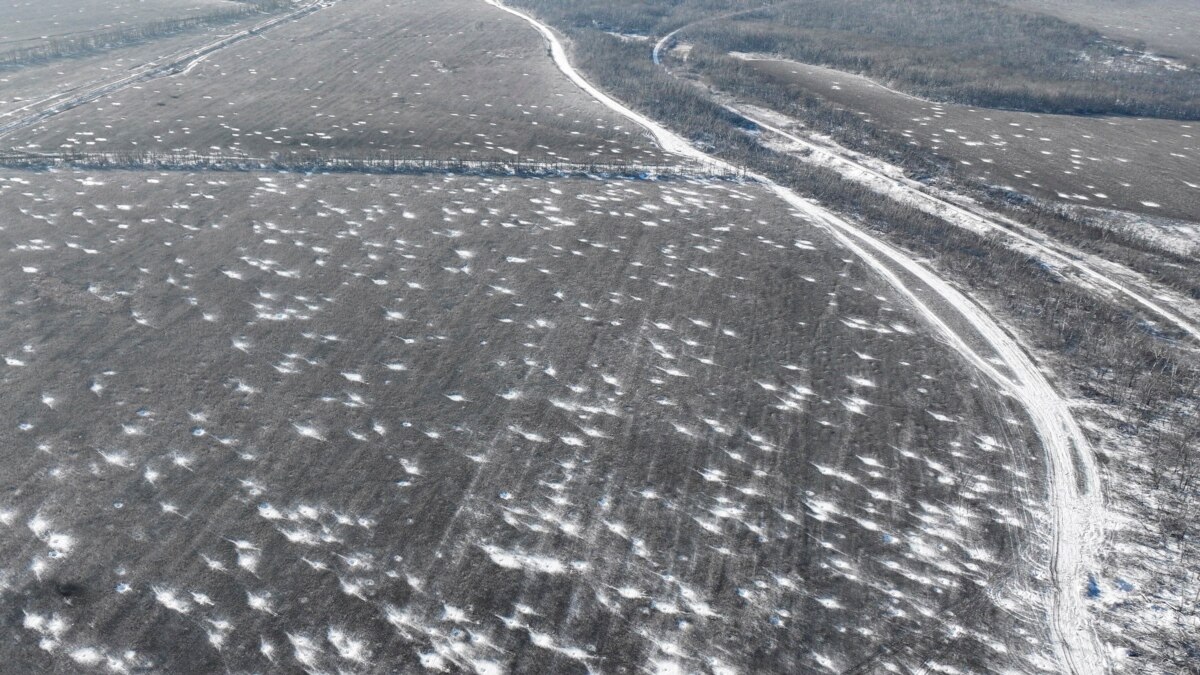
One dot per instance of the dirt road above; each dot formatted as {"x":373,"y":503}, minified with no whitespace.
{"x":1074,"y":490}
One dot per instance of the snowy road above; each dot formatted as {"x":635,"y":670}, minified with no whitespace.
{"x":1074,"y":486}
{"x":668,"y":140}
{"x":1014,"y":234}
{"x":1094,"y":272}
{"x":662,"y":43}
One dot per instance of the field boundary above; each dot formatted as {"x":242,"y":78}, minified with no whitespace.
{"x":383,"y":164}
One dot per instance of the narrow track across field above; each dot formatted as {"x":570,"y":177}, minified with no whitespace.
{"x":1074,"y":486}
{"x":170,"y":65}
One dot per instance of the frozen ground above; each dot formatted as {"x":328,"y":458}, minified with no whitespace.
{"x":1169,"y":27}
{"x":30,"y":85}
{"x":1142,"y":165}
{"x":278,"y":421}
{"x":453,"y":79}
{"x":24,"y":23}
{"x":357,"y":423}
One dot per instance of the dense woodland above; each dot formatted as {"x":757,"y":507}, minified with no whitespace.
{"x":69,"y":46}
{"x":1113,"y":356}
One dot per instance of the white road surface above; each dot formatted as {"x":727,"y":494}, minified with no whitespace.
{"x":1101,"y":274}
{"x":1014,"y":234}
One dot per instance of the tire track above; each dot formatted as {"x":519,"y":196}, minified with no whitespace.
{"x":173,"y":65}
{"x":982,"y":221}
{"x":1073,"y":479}
{"x":1020,"y":236}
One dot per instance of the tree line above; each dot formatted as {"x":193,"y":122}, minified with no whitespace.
{"x":973,"y":52}
{"x":372,"y":163}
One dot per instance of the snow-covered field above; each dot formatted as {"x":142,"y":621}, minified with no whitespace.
{"x":452,"y":79}
{"x":267,"y":421}
{"x":1165,"y":26}
{"x":275,"y":421}
{"x":1142,"y":165}
{"x":27,"y":22}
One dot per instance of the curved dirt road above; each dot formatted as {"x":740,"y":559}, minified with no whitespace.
{"x":1016,"y":235}
{"x":1074,"y":487}
{"x":1095,"y":272}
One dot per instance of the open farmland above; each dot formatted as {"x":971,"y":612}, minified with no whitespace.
{"x":976,"y":52}
{"x":455,"y":79}
{"x":129,"y":28}
{"x":30,"y":85}
{"x":329,"y":421}
{"x":586,"y":336}
{"x":1133,"y":164}
{"x":1167,"y":27}
{"x":29,"y":21}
